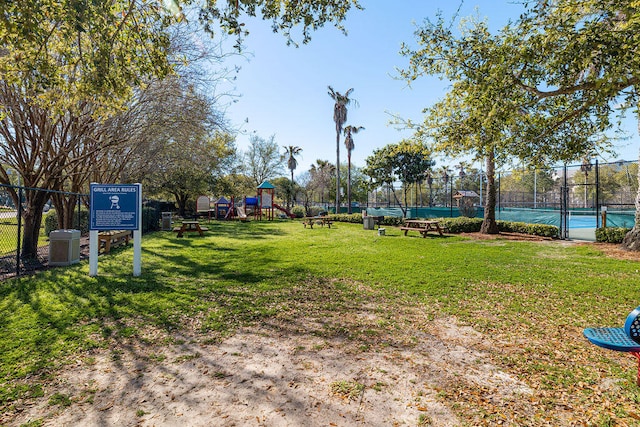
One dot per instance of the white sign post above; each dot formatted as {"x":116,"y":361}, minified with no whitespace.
{"x":115,"y":207}
{"x":137,"y":239}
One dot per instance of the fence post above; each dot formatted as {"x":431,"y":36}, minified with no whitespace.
{"x":18,"y":246}
{"x":597,"y":195}
{"x":451,"y":197}
{"x":79,"y":199}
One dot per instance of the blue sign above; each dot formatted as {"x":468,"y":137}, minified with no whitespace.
{"x":114,"y":207}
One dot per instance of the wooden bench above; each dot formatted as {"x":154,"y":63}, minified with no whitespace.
{"x":109,"y":239}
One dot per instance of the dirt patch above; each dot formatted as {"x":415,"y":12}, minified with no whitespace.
{"x":357,"y":369}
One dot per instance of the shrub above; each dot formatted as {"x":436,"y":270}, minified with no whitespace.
{"x":611,"y":234}
{"x":543,"y":230}
{"x":298,"y":211}
{"x":51,"y":221}
{"x":353,"y":218}
{"x":461,"y":224}
{"x":392,"y":221}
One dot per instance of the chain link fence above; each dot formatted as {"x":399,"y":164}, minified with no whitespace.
{"x":571,"y":197}
{"x":13,"y":260}
{"x":12,"y":228}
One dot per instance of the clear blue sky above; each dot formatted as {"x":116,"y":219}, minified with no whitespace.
{"x":284,"y":89}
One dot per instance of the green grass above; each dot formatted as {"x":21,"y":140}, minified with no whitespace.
{"x":9,"y":235}
{"x":540,"y":295}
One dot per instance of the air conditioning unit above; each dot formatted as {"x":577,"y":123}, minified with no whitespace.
{"x":64,"y":247}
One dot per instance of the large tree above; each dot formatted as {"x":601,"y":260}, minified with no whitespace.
{"x":69,"y":50}
{"x":379,"y":169}
{"x":585,"y":56}
{"x":56,"y":57}
{"x":262,"y":160}
{"x":485,"y":113}
{"x":320,"y":180}
{"x":341,"y":102}
{"x":407,"y":161}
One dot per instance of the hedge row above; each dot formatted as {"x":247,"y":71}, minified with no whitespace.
{"x":543,"y":230}
{"x":357,"y":219}
{"x":473,"y":225}
{"x":461,"y":224}
{"x":611,"y":234}
{"x":465,"y":225}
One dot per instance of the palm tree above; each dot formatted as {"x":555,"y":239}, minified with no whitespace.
{"x":348,"y":143}
{"x":292,"y":163}
{"x":291,"y":152}
{"x":340,"y":118}
{"x":430,"y":184}
{"x":444,"y":171}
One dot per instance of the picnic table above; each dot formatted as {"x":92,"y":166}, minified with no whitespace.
{"x":187,"y":226}
{"x":322,"y":220}
{"x":423,"y":226}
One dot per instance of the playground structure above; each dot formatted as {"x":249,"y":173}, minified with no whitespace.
{"x":259,"y":207}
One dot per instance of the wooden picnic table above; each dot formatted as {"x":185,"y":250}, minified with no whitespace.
{"x":423,"y":226}
{"x":190,"y":226}
{"x":322,"y":220}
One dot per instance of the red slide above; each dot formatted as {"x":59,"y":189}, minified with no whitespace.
{"x":289,"y":214}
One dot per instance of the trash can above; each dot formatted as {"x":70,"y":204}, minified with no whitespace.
{"x":64,"y":247}
{"x":166,"y":221}
{"x":369,"y":222}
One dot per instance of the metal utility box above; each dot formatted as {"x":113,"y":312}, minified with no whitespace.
{"x":369,"y":222}
{"x":64,"y":247}
{"x":166,"y":221}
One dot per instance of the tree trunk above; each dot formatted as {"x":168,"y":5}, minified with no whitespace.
{"x":631,"y":241}
{"x":32,"y":219}
{"x":181,"y":200}
{"x":349,"y":182}
{"x":489,"y":224}
{"x":338,"y":129}
{"x":292,"y":199}
{"x":404,"y":191}
{"x":65,"y":206}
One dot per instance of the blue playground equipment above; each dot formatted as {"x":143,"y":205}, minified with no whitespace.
{"x":625,"y":339}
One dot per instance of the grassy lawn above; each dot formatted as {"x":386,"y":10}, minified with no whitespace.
{"x":530,"y":300}
{"x":9,"y":235}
